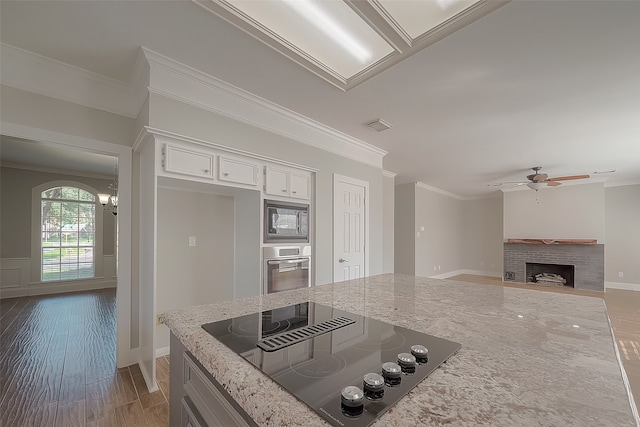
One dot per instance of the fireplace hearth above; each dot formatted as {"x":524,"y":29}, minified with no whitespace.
{"x":550,"y":274}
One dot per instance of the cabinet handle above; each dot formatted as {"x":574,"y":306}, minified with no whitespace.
{"x":226,"y":174}
{"x":206,"y":170}
{"x":284,"y":190}
{"x":293,"y":192}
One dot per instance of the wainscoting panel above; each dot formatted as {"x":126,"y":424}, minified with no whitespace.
{"x":15,"y":272}
{"x":15,"y":280}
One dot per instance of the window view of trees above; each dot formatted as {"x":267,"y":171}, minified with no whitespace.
{"x":68,"y":234}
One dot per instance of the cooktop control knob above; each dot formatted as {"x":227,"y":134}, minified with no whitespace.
{"x":420,"y":352}
{"x":392,"y":373}
{"x":373,"y":386}
{"x":352,"y":401}
{"x":407,"y":362}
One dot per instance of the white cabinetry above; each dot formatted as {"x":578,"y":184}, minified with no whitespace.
{"x":299,"y":184}
{"x":188,"y":161}
{"x":287,"y":182}
{"x":236,"y":170}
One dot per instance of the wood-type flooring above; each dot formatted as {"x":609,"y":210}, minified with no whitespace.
{"x":58,"y":366}
{"x":57,"y":359}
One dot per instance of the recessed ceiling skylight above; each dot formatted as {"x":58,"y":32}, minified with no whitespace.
{"x":348,"y":42}
{"x":415,"y":18}
{"x":326,"y":32}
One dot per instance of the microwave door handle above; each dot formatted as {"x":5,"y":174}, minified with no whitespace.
{"x":299,"y":217}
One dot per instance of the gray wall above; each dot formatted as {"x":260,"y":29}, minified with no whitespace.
{"x":177,"y":117}
{"x":481,"y":244}
{"x":622,"y":227}
{"x":566,"y":212}
{"x":388,"y":212}
{"x":458,"y":234}
{"x":193,"y":275}
{"x":247,"y":240}
{"x":15,"y":209}
{"x":405,"y":220}
{"x":438,"y":249}
{"x":29,"y":109}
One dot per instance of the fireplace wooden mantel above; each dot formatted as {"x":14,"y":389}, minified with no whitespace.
{"x":555,"y":241}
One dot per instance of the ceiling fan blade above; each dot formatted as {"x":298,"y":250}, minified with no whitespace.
{"x":553,"y":184}
{"x":568,"y":178}
{"x":537,"y":177}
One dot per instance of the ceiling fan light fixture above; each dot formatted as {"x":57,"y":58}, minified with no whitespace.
{"x":536,"y":185}
{"x":379,"y":125}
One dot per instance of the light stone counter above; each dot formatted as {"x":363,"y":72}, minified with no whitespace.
{"x":534,"y":370}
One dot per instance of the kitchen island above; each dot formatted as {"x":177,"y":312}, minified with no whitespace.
{"x":527,"y":357}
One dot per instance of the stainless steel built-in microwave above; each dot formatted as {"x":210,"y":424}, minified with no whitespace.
{"x":286,"y":222}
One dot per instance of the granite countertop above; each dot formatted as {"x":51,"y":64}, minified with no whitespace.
{"x":527,"y":358}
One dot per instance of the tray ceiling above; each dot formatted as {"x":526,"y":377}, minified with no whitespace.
{"x":347,"y":42}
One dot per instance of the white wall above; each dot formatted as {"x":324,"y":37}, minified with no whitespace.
{"x":622,"y":226}
{"x":566,"y":212}
{"x":183,"y":119}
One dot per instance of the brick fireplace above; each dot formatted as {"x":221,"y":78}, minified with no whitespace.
{"x":587,"y":261}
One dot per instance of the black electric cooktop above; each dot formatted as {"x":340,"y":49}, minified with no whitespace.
{"x":348,"y":368}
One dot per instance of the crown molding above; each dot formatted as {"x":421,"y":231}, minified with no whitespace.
{"x":39,"y":74}
{"x":185,"y":84}
{"x":159,"y":74}
{"x":388,"y":174}
{"x":48,"y":169}
{"x":456,"y":196}
{"x":439,"y":191}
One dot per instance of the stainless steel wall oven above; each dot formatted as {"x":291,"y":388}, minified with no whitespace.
{"x":286,"y":267}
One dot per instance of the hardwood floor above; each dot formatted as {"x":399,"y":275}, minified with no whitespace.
{"x":623,"y":308}
{"x":58,"y":367}
{"x":57,"y":359}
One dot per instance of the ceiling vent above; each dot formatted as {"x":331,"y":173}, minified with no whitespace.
{"x":378,"y":125}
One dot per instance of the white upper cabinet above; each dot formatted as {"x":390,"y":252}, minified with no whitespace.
{"x":188,"y":161}
{"x":240,"y":171}
{"x":300,"y":184}
{"x":276,"y":181}
{"x":287,"y":182}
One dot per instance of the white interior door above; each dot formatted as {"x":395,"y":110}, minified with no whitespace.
{"x":350,"y":228}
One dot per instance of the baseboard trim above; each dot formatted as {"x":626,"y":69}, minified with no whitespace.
{"x":56,"y":288}
{"x":474,"y":272}
{"x":625,"y":286}
{"x":163,"y":351}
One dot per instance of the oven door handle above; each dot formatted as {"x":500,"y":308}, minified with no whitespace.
{"x":287,"y":261}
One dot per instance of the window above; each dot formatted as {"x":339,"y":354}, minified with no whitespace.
{"x":68,"y":234}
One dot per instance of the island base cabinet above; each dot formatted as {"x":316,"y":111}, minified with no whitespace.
{"x":196,"y":398}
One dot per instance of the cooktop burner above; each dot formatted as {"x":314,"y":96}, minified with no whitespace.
{"x":348,"y":368}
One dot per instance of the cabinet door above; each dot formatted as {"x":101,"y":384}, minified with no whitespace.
{"x":277,"y":181}
{"x":188,"y":162}
{"x":235,"y":170}
{"x":300,"y":182}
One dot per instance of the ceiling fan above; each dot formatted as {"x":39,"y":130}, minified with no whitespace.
{"x":538,"y":180}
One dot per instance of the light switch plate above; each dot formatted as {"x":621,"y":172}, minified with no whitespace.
{"x":192,"y":240}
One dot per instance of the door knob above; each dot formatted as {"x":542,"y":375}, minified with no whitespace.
{"x":341,"y":260}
